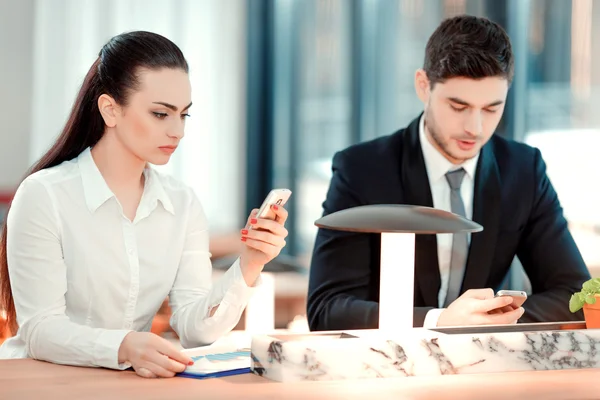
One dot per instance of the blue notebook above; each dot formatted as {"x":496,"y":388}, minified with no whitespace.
{"x":213,"y":362}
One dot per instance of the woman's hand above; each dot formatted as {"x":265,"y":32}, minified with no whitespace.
{"x":264,"y":239}
{"x":152,"y":356}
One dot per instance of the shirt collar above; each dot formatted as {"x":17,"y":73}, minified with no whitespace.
{"x":154,"y":191}
{"x":97,"y":192}
{"x":95,"y":189}
{"x":436,"y":164}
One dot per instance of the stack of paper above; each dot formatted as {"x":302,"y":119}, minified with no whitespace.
{"x":217,"y":360}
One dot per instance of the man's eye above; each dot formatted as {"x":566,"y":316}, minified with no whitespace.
{"x":458,"y":109}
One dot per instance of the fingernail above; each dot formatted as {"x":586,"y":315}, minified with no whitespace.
{"x":191,"y":363}
{"x":275,"y":207}
{"x":253,"y":221}
{"x":244,"y":231}
{"x":243,"y":239}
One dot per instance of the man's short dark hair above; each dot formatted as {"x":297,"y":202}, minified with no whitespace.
{"x":469,"y":47}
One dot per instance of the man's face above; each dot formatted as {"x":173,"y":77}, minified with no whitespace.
{"x":462,"y":114}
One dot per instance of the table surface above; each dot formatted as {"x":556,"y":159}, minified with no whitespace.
{"x":30,"y":379}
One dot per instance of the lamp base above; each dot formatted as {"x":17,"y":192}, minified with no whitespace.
{"x":260,"y":311}
{"x":422,"y":352}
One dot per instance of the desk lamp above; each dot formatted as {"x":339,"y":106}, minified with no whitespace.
{"x":398,"y":225}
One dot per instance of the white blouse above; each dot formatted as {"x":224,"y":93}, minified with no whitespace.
{"x":83,"y":275}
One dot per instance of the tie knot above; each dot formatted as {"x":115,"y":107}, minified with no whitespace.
{"x":455,"y":178}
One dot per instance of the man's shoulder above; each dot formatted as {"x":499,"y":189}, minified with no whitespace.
{"x":381,"y":144}
{"x":514,"y":155}
{"x":374,"y":154}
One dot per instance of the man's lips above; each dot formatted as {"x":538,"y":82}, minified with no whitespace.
{"x":466,"y":144}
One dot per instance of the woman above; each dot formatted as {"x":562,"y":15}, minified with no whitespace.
{"x":96,"y":239}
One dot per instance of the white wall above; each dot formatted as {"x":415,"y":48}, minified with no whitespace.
{"x":16,"y":51}
{"x":53,"y":44}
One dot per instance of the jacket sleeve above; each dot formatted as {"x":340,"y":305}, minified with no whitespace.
{"x":549,"y":256}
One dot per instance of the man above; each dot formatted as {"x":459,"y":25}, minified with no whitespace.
{"x":448,"y":158}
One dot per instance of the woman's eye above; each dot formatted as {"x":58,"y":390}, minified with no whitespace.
{"x":160,"y":115}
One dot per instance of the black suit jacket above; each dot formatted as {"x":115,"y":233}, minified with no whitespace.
{"x":513,"y":200}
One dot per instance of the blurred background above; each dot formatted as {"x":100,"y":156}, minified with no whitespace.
{"x":280,"y":85}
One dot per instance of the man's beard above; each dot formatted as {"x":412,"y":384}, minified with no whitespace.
{"x":443,"y":146}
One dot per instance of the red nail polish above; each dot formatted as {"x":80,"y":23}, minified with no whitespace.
{"x":243,"y":239}
{"x":275,"y":207}
{"x":244,"y":231}
{"x":191,"y":363}
{"x":253,"y":221}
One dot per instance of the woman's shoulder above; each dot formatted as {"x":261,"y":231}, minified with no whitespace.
{"x":41,"y":183}
{"x":33,"y":199}
{"x":182,"y":197}
{"x":171,"y":184}
{"x":54,"y":175}
{"x":178,"y":191}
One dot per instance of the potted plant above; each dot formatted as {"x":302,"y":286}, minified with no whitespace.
{"x":587,"y":299}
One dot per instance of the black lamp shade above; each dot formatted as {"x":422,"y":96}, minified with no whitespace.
{"x":397,"y":218}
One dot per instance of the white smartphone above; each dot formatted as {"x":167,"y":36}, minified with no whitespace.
{"x":518,"y":296}
{"x":275,"y":196}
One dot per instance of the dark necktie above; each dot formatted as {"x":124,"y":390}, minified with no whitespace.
{"x":460,"y":246}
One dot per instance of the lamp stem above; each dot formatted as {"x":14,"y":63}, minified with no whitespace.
{"x":396,"y":291}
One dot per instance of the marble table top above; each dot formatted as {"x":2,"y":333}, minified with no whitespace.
{"x":420,"y":352}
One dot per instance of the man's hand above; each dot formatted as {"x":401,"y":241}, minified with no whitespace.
{"x":480,"y":307}
{"x":152,"y":356}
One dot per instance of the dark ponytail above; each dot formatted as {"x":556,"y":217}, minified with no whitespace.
{"x":115,"y":73}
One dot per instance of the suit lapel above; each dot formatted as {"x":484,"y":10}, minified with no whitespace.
{"x":486,"y":211}
{"x":417,"y":191}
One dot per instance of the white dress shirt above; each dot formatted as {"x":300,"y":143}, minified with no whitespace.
{"x":437,"y":166}
{"x":84,"y":276}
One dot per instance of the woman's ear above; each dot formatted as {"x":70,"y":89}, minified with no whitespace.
{"x":108,"y":109}
{"x":422,"y":86}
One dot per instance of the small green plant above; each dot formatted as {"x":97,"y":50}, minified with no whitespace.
{"x":588,"y":293}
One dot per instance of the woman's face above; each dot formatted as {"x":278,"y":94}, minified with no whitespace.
{"x":152,"y":123}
